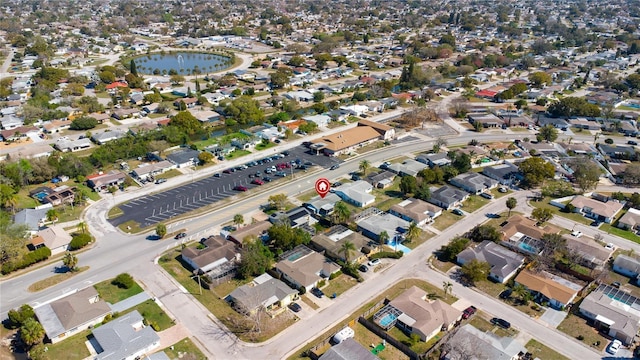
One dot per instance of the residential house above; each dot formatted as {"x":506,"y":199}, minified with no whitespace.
{"x":630,"y":220}
{"x":591,"y":254}
{"x":322,"y":206}
{"x":408,"y":167}
{"x":373,"y":222}
{"x":35,"y":150}
{"x":291,"y":125}
{"x":521,"y":234}
{"x":66,"y":145}
{"x":614,"y":312}
{"x":55,"y":238}
{"x":483,"y":345}
{"x":125,"y":337}
{"x":121,"y":114}
{"x":215,"y":252}
{"x":382,"y":179}
{"x":321,"y":120}
{"x":596,"y":210}
{"x":184,"y":158}
{"x":146,"y":171}
{"x":546,"y":287}
{"x":618,"y":151}
{"x":348,"y":349}
{"x":448,"y":197}
{"x":473,"y":182}
{"x":100,"y":117}
{"x":60,"y":195}
{"x":206,"y":116}
{"x":55,"y":126}
{"x":304,"y":268}
{"x":627,"y":266}
{"x":357,"y":193}
{"x":504,"y":263}
{"x":264,"y":292}
{"x":416,"y":210}
{"x":33,"y":219}
{"x":354,"y":110}
{"x":72,"y":314}
{"x":103,"y":181}
{"x":505,"y":173}
{"x":258,"y":230}
{"x":105,"y":137}
{"x":330,"y":242}
{"x":419,"y":315}
{"x":433,"y":160}
{"x":18,"y":133}
{"x":296,"y":217}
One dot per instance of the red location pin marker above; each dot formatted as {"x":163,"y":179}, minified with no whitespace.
{"x":322,"y":187}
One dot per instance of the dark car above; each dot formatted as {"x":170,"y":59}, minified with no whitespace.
{"x":505,"y":294}
{"x":615,"y":284}
{"x":240,"y":188}
{"x":180,"y":236}
{"x":266,"y":179}
{"x":334,"y":167}
{"x":336,"y":184}
{"x":160,"y":181}
{"x":285,"y":153}
{"x":595,"y":223}
{"x":501,"y":323}
{"x":631,"y":142}
{"x":317,"y":292}
{"x":468,"y":312}
{"x":218,"y":175}
{"x":295,"y":307}
{"x":363,"y":268}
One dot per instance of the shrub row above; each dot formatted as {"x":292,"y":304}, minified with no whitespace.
{"x":31,"y":258}
{"x":79,"y":241}
{"x":353,"y":272}
{"x":387,"y":254}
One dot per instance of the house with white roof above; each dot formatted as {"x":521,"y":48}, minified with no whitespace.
{"x":357,"y":193}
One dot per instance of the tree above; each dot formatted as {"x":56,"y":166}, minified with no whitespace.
{"x":52,"y":215}
{"x":188,"y":123}
{"x":161,"y":230}
{"x":540,"y":78}
{"x":256,"y":258}
{"x":346,"y":249}
{"x":31,"y":332}
{"x":547,"y":133}
{"x":413,"y":232}
{"x":485,"y":232}
{"x":205,"y":157}
{"x":475,"y":270}
{"x":277,"y":201}
{"x":285,"y":238}
{"x":8,"y":197}
{"x":238,"y":219}
{"x":82,"y":227}
{"x":453,"y":248}
{"x":423,"y":192}
{"x":70,"y":261}
{"x":124,"y":281}
{"x":383,"y":237}
{"x":522,"y":293}
{"x":446,"y":287}
{"x":536,"y":170}
{"x":280,"y":78}
{"x":631,"y":175}
{"x":341,"y":212}
{"x":542,"y":215}
{"x":18,"y":317}
{"x":585,"y":173}
{"x":573,"y":106}
{"x":83,"y":123}
{"x":408,"y":184}
{"x":511,"y":204}
{"x":364,"y":166}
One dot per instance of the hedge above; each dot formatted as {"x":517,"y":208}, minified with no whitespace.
{"x":79,"y":241}
{"x":123,"y":281}
{"x":30,"y":258}
{"x":387,"y":254}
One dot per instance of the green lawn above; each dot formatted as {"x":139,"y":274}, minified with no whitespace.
{"x":169,"y":174}
{"x":365,"y":338}
{"x":543,"y":352}
{"x":339,"y":285}
{"x":419,"y":347}
{"x":480,"y":322}
{"x":626,"y":234}
{"x":445,"y":220}
{"x":262,"y":146}
{"x":237,"y":153}
{"x":151,"y":312}
{"x":184,"y":349}
{"x":474,"y":203}
{"x":113,"y":294}
{"x":544,"y":204}
{"x":72,"y":348}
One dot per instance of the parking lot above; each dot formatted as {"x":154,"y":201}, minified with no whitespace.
{"x":152,"y":209}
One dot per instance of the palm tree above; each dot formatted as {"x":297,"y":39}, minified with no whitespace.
{"x":238,"y":219}
{"x":383,"y":237}
{"x":70,"y":261}
{"x":446,"y":287}
{"x":595,"y":137}
{"x":52,"y":215}
{"x":340,"y":212}
{"x":82,"y":227}
{"x":346,"y":249}
{"x":521,"y":292}
{"x":511,"y":204}
{"x":364,"y":166}
{"x":413,"y":232}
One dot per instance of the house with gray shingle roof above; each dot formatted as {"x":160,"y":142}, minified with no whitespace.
{"x":504,"y":262}
{"x":125,"y":337}
{"x":627,"y":266}
{"x":303,"y":267}
{"x":473,"y":182}
{"x":448,"y":197}
{"x":264,"y":292}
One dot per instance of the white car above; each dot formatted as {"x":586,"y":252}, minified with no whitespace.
{"x":614,"y":346}
{"x":373,"y":262}
{"x":610,"y":246}
{"x":576,"y":234}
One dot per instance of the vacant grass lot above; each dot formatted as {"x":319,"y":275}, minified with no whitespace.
{"x":339,"y":285}
{"x":391,"y":293}
{"x":481,"y":321}
{"x":237,"y":153}
{"x":214,"y":302}
{"x":543,"y":352}
{"x":474,"y":203}
{"x":445,"y":220}
{"x":576,"y":326}
{"x":113,"y":294}
{"x":184,"y":349}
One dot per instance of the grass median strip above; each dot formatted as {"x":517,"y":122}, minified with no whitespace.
{"x":55,"y":280}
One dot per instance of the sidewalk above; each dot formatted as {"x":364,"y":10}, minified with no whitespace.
{"x":130,"y":302}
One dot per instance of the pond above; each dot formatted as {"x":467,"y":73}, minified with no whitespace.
{"x":182,"y":63}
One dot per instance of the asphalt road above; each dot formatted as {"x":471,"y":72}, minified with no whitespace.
{"x":161,"y":206}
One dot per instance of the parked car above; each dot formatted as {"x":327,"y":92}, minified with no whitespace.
{"x":181,"y":235}
{"x":266,"y":179}
{"x":281,"y":173}
{"x":468,"y":312}
{"x":615,"y":284}
{"x":257,"y":182}
{"x":217,"y":175}
{"x":336,"y":184}
{"x":317,"y":292}
{"x":240,"y":188}
{"x":505,"y":294}
{"x":595,"y":223}
{"x":631,"y":142}
{"x":295,"y":307}
{"x":501,"y":323}
{"x":486,"y":195}
{"x":374,"y":262}
{"x":363,"y":268}
{"x":610,"y":246}
{"x":160,"y":181}
{"x":576,"y":233}
{"x":457,"y":212}
{"x":614,"y":347}
{"x":502,"y":189}
{"x":334,"y":167}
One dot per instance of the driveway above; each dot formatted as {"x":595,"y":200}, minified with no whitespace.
{"x":130,"y":302}
{"x":553,"y":317}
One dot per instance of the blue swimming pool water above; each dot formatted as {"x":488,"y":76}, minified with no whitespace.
{"x":399,"y":246}
{"x":633,"y":105}
{"x":388,"y":320}
{"x":527,"y":247}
